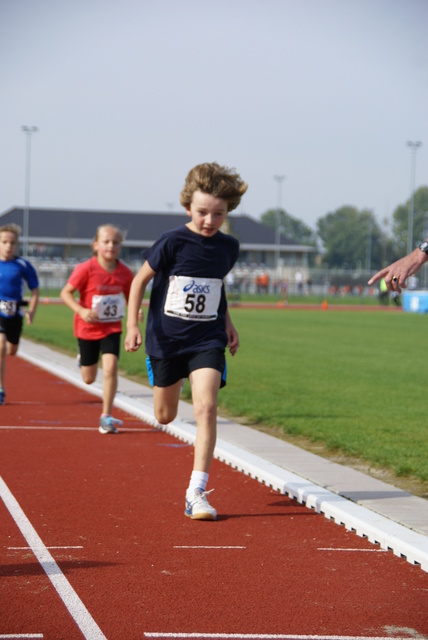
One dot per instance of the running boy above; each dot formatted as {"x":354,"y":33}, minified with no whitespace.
{"x":103,"y":283}
{"x":15,"y":272}
{"x":188,"y":324}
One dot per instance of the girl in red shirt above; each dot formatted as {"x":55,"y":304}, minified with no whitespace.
{"x":103,"y":283}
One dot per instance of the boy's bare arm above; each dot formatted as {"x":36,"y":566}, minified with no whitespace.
{"x":133,"y":338}
{"x":32,"y":305}
{"x":232,"y":335}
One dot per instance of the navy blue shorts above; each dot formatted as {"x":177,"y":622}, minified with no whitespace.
{"x":12,"y":328}
{"x":164,"y":372}
{"x":90,"y":349}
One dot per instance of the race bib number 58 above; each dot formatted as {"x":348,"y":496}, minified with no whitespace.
{"x":193,"y":298}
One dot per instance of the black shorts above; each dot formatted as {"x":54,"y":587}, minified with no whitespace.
{"x":12,"y":328}
{"x":90,"y":349}
{"x":163,"y":372}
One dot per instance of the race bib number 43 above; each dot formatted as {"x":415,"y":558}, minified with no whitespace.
{"x":8,"y":308}
{"x":193,"y":298}
{"x":109,"y":308}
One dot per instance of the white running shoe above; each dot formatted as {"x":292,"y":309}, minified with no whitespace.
{"x":198,"y":507}
{"x":108,"y":424}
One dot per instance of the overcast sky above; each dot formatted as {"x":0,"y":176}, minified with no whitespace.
{"x":128,"y":95}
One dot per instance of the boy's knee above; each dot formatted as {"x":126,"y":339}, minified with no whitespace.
{"x":88,"y":377}
{"x":206,"y":409}
{"x":11,"y":349}
{"x":165,"y":415}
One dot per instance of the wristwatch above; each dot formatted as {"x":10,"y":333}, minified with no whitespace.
{"x":424,"y":246}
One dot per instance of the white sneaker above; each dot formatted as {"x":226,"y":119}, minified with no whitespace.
{"x":198,"y":507}
{"x":108,"y":424}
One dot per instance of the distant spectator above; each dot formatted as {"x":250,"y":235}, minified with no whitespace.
{"x":230,"y":282}
{"x":284,"y":291}
{"x":383,"y":293}
{"x":262,"y":283}
{"x":299,"y":281}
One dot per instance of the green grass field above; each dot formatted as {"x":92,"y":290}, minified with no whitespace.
{"x":355,"y":381}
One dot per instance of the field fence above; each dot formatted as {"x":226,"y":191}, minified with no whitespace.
{"x":256,"y":279}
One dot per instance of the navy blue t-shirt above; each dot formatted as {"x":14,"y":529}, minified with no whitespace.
{"x":190,"y":269}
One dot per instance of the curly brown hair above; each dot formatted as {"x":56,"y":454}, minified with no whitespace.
{"x":218,"y":181}
{"x":11,"y":228}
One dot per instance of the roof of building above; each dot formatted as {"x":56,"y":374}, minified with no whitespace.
{"x":141,"y":228}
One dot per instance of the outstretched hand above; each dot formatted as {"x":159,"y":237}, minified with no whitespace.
{"x":397,"y":273}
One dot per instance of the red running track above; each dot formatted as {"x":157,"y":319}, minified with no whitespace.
{"x":113,"y":556}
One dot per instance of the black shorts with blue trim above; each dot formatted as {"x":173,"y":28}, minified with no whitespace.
{"x":164,"y":372}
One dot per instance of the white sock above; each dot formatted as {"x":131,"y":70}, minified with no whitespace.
{"x":198,"y":480}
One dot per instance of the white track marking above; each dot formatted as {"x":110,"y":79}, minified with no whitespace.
{"x":208,"y":547}
{"x":360,"y":550}
{"x":26,"y":548}
{"x":74,"y":605}
{"x":13,"y":636}
{"x":269,"y":636}
{"x":72,"y":428}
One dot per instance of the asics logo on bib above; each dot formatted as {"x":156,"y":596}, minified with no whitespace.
{"x":196,"y":288}
{"x":107,"y":300}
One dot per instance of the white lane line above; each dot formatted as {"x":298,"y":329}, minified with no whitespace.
{"x":21,"y":635}
{"x":26,"y":548}
{"x":269,"y":636}
{"x":73,"y":428}
{"x":74,"y":605}
{"x":359,"y":550}
{"x":208,"y":547}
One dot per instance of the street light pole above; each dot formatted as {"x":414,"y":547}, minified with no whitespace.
{"x":414,"y":147}
{"x":279,"y":180}
{"x":26,"y":220}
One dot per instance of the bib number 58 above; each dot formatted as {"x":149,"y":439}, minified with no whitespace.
{"x":194,"y":303}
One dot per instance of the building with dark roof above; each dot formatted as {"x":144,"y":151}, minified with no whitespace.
{"x":68,"y":234}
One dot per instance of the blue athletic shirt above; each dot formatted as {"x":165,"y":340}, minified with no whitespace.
{"x":13,"y":276}
{"x":196,"y":265}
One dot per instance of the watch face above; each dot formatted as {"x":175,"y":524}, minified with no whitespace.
{"x":424,"y":246}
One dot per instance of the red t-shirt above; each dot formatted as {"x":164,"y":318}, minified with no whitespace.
{"x":101,"y":290}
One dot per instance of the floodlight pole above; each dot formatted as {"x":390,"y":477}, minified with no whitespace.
{"x":279,"y":180}
{"x":26,"y":219}
{"x":414,"y":147}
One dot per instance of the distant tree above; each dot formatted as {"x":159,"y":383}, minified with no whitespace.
{"x":400,"y":222}
{"x":351,"y":239}
{"x":290,"y":227}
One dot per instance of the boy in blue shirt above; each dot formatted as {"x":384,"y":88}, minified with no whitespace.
{"x":188,"y":323}
{"x":15,"y":274}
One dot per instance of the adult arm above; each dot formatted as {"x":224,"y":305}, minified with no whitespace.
{"x":397,"y":273}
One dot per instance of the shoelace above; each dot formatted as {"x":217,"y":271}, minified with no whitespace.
{"x":202,"y":495}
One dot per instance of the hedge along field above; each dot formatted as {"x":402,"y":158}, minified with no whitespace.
{"x":355,"y":381}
